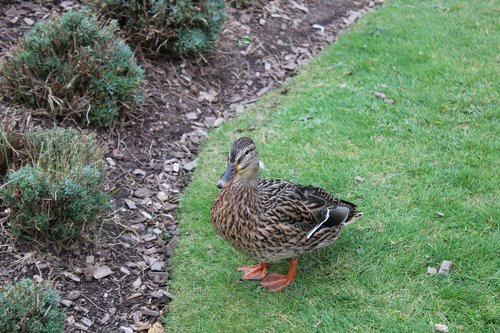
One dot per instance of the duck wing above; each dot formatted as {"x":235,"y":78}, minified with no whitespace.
{"x":308,"y":208}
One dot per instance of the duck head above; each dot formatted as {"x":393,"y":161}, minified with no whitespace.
{"x":242,"y":163}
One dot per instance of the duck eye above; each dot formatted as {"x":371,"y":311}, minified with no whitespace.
{"x":247,"y":152}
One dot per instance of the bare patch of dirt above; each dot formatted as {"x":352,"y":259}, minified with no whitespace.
{"x":120,"y":281}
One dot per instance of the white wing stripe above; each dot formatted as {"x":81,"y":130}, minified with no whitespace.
{"x":313,"y":230}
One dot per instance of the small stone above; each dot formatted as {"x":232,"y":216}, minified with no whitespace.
{"x":441,"y":328}
{"x":359,"y":179}
{"x":89,"y":259}
{"x":379,"y":95}
{"x":102,"y":272}
{"x":431,"y":270}
{"x":445,"y":267}
{"x":262,"y":21}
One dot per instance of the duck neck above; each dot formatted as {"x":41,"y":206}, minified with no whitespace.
{"x":248,"y":183}
{"x":246,"y":190}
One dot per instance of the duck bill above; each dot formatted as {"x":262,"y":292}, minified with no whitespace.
{"x":227,"y":177}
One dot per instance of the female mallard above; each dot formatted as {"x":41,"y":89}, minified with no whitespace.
{"x":272,"y":220}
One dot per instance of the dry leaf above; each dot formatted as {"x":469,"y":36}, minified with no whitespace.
{"x":140,"y":326}
{"x":156,"y":328}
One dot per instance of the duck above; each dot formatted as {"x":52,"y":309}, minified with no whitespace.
{"x":271,"y":220}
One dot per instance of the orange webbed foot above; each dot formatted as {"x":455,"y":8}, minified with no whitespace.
{"x":255,"y":272}
{"x":276,"y":282}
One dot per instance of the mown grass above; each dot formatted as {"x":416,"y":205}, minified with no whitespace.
{"x":434,"y":149}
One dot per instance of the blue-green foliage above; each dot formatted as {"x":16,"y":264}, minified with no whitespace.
{"x":74,"y":65}
{"x":28,"y":307}
{"x":180,"y":27}
{"x":57,"y":196}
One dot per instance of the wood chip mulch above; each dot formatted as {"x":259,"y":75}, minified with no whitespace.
{"x":119,"y":282}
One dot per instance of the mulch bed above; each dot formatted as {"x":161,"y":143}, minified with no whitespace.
{"x":119,"y":283}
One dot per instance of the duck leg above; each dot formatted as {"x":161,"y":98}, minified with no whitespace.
{"x":276,"y":282}
{"x":255,"y":272}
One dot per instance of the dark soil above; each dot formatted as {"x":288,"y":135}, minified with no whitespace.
{"x":152,"y":151}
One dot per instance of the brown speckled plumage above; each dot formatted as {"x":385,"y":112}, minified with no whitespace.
{"x":272,"y":220}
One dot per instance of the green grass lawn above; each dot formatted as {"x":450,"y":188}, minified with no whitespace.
{"x":434,"y":149}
